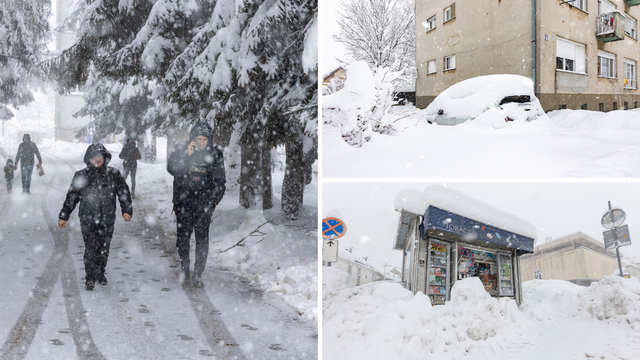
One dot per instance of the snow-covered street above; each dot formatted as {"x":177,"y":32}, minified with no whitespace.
{"x":247,"y":309}
{"x":574,"y":144}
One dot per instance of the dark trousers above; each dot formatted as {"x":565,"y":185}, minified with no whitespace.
{"x":97,"y":240}
{"x":9,"y":185}
{"x":26,"y":170}
{"x":189,"y":220}
{"x":125,"y":173}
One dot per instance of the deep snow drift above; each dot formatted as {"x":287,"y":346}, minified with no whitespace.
{"x":571,"y":143}
{"x":557,"y":320}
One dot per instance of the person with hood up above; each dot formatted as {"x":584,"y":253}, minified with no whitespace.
{"x":26,"y":151}
{"x":130,"y":156}
{"x":96,"y":188}
{"x":197,"y":166}
{"x":8,"y":174}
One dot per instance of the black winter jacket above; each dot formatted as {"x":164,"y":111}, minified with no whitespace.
{"x":198,"y":180}
{"x":96,"y":190}
{"x":26,"y":151}
{"x":8,"y":170}
{"x":130,"y":154}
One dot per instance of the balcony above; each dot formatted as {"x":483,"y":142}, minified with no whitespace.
{"x":631,"y":2}
{"x":610,"y":27}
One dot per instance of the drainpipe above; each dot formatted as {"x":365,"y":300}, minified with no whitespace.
{"x":533,"y":46}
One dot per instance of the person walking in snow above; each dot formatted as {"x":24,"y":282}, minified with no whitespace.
{"x":130,"y":156}
{"x":9,"y":168}
{"x":197,"y":166}
{"x":96,"y":188}
{"x":26,"y":151}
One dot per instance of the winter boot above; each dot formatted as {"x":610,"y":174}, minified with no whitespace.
{"x":89,"y":284}
{"x":102,"y":280}
{"x":197,"y":281}
{"x":184,"y":272}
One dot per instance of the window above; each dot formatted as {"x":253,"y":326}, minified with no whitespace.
{"x":580,"y":4}
{"x":583,"y":106}
{"x":601,"y":107}
{"x":449,"y":13}
{"x":450,"y":62}
{"x":630,"y":27}
{"x":570,"y":56}
{"x":615,"y":105}
{"x":626,"y":105}
{"x":431,"y":23}
{"x":605,"y":7}
{"x":431,"y":67}
{"x":562,"y":107}
{"x":606,"y":64}
{"x":629,"y":74}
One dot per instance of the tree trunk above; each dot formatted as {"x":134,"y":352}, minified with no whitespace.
{"x":249,"y":174}
{"x":267,"y":201}
{"x":149,"y":149}
{"x":293,"y":183}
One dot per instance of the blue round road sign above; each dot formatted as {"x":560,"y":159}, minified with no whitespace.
{"x":333,"y":228}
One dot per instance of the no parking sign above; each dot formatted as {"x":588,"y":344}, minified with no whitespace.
{"x":333,"y":228}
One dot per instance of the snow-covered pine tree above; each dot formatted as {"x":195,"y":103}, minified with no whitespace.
{"x":24,"y":32}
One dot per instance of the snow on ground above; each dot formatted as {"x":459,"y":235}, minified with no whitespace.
{"x":281,"y":258}
{"x":573,"y":143}
{"x":557,"y":320}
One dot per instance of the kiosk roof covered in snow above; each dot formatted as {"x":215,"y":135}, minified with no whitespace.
{"x":452,"y":211}
{"x":447,"y":236}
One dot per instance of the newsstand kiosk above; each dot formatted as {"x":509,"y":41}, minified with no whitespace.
{"x":447,"y":236}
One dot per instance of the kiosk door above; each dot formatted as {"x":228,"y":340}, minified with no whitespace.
{"x":506,"y":277}
{"x":438,"y":279}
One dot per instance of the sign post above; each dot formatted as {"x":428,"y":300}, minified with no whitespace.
{"x":617,"y":235}
{"x":332,"y":229}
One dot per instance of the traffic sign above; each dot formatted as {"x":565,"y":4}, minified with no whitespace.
{"x":333,"y":228}
{"x":618,"y":218}
{"x":621,"y":234}
{"x":330,"y":250}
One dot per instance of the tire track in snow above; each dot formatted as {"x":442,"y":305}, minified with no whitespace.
{"x":218,"y":336}
{"x":17,"y":344}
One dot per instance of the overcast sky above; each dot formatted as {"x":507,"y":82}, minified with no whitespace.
{"x":329,"y":48}
{"x":554,"y":208}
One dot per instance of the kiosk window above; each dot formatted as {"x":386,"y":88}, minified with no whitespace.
{"x":480,"y":264}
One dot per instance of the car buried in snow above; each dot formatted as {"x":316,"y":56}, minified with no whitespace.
{"x":493,"y":97}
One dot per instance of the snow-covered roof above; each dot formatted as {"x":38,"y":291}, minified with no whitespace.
{"x":438,"y":196}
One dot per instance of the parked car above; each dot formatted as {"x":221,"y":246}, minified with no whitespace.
{"x":510,"y":97}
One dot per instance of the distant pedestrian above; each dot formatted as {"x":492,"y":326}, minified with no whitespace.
{"x":130,"y":156}
{"x":26,"y":151}
{"x":197,"y":166}
{"x":9,"y":168}
{"x":96,"y":187}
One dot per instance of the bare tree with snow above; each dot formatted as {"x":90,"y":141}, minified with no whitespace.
{"x":379,"y":32}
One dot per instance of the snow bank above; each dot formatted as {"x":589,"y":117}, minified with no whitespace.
{"x":613,"y":298}
{"x":544,"y":300}
{"x":385,"y":321}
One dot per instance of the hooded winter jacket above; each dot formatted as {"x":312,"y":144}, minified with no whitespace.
{"x":96,"y":190}
{"x":8,"y":169}
{"x":198,"y":180}
{"x":130,"y":154}
{"x":26,"y":151}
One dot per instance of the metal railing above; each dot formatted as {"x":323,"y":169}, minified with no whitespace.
{"x":605,"y":23}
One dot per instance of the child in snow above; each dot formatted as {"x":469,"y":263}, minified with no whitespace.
{"x":8,"y":174}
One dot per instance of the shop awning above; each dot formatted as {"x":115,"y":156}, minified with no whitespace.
{"x":446,"y":221}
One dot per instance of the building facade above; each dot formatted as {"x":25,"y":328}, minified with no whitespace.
{"x":581,"y":54}
{"x":578,"y":258}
